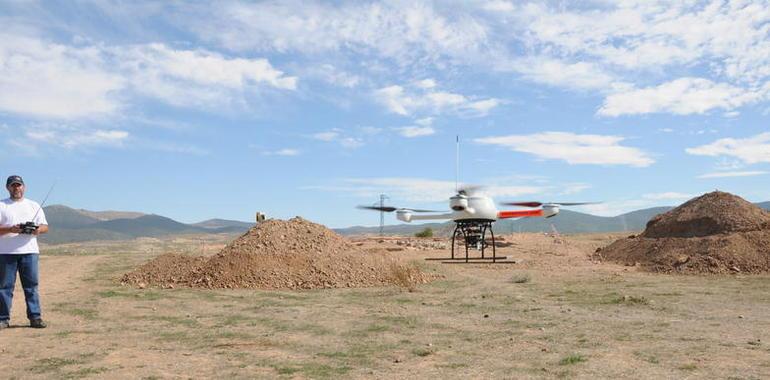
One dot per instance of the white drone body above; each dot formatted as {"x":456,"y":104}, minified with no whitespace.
{"x":474,"y":214}
{"x":470,"y":204}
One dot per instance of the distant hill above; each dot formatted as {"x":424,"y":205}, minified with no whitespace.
{"x":396,"y":229}
{"x":110,"y":215}
{"x":147,"y":225}
{"x":223,"y":223}
{"x":764,"y":205}
{"x":72,"y":225}
{"x":571,"y":222}
{"x":58,"y":215}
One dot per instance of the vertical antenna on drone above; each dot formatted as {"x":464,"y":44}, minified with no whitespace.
{"x":383,"y":197}
{"x":457,"y":163}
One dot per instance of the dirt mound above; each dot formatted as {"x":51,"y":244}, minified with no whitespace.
{"x":276,"y":254}
{"x":167,"y":269}
{"x":714,"y":233}
{"x":710,"y":214}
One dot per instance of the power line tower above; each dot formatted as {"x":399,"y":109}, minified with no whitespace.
{"x":383,"y":197}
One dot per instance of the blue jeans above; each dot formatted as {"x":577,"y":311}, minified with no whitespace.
{"x":27,"y":267}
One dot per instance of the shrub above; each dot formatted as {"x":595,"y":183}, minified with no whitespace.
{"x":573,"y":359}
{"x":426,"y":233}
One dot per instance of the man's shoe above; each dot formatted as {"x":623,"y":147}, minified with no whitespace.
{"x":4,"y":325}
{"x":37,"y":324}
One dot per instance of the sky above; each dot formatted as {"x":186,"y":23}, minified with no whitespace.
{"x":197,"y":110}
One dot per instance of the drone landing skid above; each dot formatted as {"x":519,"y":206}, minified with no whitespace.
{"x":472,"y":234}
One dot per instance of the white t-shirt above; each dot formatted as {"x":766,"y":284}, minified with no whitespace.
{"x":11,"y":214}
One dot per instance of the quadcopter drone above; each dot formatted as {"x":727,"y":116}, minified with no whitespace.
{"x":473,"y":214}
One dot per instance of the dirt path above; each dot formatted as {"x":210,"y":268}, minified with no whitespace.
{"x":61,"y":277}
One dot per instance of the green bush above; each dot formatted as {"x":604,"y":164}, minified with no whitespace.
{"x":426,"y":233}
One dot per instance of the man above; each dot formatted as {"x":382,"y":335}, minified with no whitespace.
{"x":21,"y":220}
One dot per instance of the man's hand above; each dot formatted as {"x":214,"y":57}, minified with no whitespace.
{"x":41,"y":229}
{"x":28,"y":228}
{"x":15,"y":229}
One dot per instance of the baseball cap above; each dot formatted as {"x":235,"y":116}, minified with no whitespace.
{"x":14,"y":179}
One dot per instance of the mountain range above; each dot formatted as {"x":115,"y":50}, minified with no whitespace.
{"x":73,"y":225}
{"x":76,"y":225}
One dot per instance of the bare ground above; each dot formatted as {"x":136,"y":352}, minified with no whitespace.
{"x":553,"y":314}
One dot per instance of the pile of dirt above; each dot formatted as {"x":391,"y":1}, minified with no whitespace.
{"x":277,"y":254}
{"x":715,"y":233}
{"x":710,"y":214}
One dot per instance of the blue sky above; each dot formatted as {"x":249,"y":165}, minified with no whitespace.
{"x":194,"y":111}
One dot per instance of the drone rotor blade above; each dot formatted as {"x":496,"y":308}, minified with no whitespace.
{"x":377,"y":208}
{"x":523,"y":204}
{"x":391,"y":209}
{"x":538,"y":204}
{"x":573,"y":203}
{"x":418,"y":210}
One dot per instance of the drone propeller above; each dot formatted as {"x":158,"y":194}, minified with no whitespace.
{"x":391,"y":209}
{"x":538,"y":204}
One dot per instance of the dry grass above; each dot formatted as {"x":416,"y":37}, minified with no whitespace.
{"x":570,"y":319}
{"x":405,"y":276}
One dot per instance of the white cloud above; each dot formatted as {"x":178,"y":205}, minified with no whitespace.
{"x":69,"y":137}
{"x":573,"y":148}
{"x":649,"y":34}
{"x":413,"y":131}
{"x":336,"y":135}
{"x":733,"y":174}
{"x":49,"y":139}
{"x":399,"y":100}
{"x":207,"y":68}
{"x":667,"y":196}
{"x":426,"y":83}
{"x":45,"y":80}
{"x":554,"y":72}
{"x":282,"y":152}
{"x":326,"y":136}
{"x":54,"y":81}
{"x":335,"y":76}
{"x":425,"y":122}
{"x":621,"y":48}
{"x":624,"y":48}
{"x":750,"y":150}
{"x":482,"y":107}
{"x":351,"y":142}
{"x":196,"y":78}
{"x":401,"y":32}
{"x":682,"y":96}
{"x":499,"y":6}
